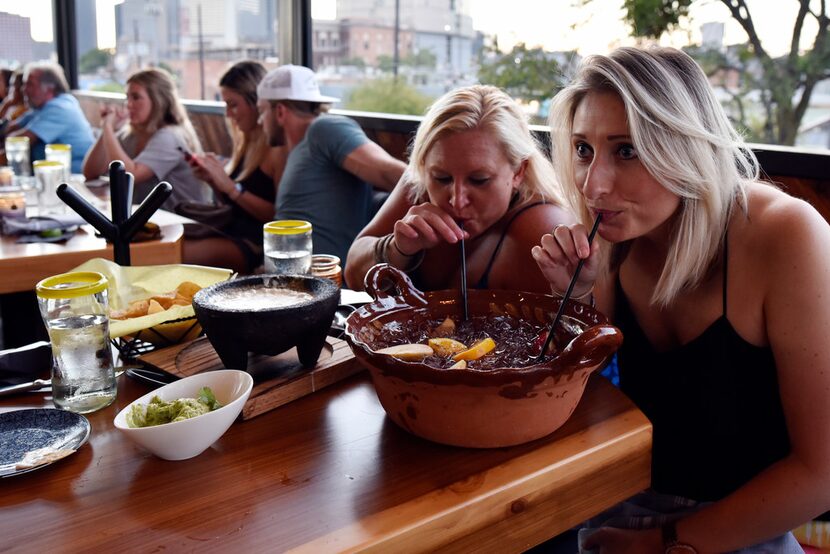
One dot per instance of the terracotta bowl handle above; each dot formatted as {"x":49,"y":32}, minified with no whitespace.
{"x":385,"y":273}
{"x":591,"y":347}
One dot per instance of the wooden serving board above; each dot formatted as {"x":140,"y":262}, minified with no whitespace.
{"x":277,"y":379}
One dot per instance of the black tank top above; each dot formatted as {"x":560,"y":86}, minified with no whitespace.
{"x":713,"y":402}
{"x":243,"y":224}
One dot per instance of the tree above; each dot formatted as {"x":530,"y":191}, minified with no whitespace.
{"x":423,"y":58}
{"x":94,"y":59}
{"x":386,"y":63}
{"x":785,"y":83}
{"x":525,"y":73}
{"x":388,"y":96}
{"x":356,"y":61}
{"x":108,"y":87}
{"x":754,"y":121}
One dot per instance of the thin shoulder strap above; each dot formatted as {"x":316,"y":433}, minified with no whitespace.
{"x":485,"y":277}
{"x":725,"y":268}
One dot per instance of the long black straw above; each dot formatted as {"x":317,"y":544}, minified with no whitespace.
{"x":464,"y":274}
{"x":568,"y":292}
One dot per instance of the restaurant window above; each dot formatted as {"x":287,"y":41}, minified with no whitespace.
{"x":194,"y":40}
{"x":26,"y":28}
{"x":437,"y":49}
{"x":531,"y":49}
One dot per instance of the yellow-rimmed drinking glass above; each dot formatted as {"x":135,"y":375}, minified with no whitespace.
{"x":287,"y":245}
{"x":74,"y":308}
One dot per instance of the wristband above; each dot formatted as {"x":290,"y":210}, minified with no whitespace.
{"x":401,"y":252}
{"x":573,"y":296}
{"x":381,"y":257}
{"x":240,"y":190}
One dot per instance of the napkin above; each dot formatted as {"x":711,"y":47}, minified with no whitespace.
{"x":31,"y":229}
{"x":27,"y":363}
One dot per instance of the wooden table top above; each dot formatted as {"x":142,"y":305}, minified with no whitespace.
{"x":23,"y":265}
{"x":328,"y":472}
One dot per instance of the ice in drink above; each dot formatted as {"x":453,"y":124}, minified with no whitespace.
{"x":83,"y":379}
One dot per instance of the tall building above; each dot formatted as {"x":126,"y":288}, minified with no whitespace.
{"x":712,"y":35}
{"x":214,"y":22}
{"x":443,"y":27}
{"x":424,"y":15}
{"x":17,"y":45}
{"x":86,"y":26}
{"x":256,"y":21}
{"x":142,"y":31}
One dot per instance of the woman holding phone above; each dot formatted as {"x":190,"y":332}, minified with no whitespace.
{"x":148,"y":136}
{"x":247,"y":183}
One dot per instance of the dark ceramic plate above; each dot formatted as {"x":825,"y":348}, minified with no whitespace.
{"x":23,"y":431}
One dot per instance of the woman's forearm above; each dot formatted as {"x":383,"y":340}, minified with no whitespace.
{"x":361,"y":258}
{"x":782,"y":497}
{"x":366,"y":251}
{"x":258,"y":208}
{"x":114,"y":150}
{"x":96,"y":160}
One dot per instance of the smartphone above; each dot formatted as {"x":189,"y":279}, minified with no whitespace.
{"x":187,"y":155}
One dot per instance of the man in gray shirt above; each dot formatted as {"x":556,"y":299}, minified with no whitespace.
{"x":332,"y":165}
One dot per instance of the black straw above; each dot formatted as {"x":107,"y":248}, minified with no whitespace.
{"x":568,"y":292}
{"x":464,"y":274}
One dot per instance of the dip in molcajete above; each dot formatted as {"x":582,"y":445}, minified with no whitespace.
{"x":267,"y":314}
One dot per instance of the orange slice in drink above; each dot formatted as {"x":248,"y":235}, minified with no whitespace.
{"x":407,"y":352}
{"x":446,"y":347}
{"x":476,"y":351}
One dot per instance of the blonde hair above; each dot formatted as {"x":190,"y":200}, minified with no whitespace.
{"x":683,"y":139}
{"x":243,"y":78}
{"x":167,"y":108}
{"x":490,"y":109}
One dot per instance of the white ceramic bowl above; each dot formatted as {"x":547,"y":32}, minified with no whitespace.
{"x":185,"y":439}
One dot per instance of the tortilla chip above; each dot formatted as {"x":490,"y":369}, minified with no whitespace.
{"x":187,"y":289}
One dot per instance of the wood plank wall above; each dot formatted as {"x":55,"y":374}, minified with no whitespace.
{"x":210,"y":124}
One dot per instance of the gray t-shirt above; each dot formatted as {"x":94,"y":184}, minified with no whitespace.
{"x":167,"y":162}
{"x":314,"y":186}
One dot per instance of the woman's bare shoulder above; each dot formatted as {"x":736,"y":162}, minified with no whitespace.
{"x":530,"y":222}
{"x":778,"y":233}
{"x":774,"y":218}
{"x":515,"y":267}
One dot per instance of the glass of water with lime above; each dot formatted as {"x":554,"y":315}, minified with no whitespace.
{"x":74,"y":309}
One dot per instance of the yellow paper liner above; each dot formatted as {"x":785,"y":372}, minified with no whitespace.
{"x":127,"y":284}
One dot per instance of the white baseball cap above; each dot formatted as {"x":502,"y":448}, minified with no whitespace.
{"x":292,"y":82}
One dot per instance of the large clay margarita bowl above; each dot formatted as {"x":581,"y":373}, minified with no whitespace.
{"x":252,"y":324}
{"x":477,"y":408}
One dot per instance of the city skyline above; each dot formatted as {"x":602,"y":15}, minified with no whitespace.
{"x":555,"y":25}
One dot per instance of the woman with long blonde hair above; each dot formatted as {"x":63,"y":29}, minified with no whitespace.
{"x":247,"y":183}
{"x":716,"y":281}
{"x":149,"y":135}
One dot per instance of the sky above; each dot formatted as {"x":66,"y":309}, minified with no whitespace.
{"x":552,"y":24}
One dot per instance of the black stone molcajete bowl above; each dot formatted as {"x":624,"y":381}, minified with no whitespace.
{"x":270,"y":331}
